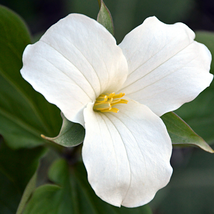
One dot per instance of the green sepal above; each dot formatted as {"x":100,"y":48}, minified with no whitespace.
{"x":181,"y":133}
{"x":70,"y":135}
{"x":104,"y":17}
{"x":71,"y":193}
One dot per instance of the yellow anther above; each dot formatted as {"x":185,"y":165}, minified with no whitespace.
{"x":105,"y":102}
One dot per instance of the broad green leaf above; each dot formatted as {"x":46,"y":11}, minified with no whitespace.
{"x":181,"y":134}
{"x":16,"y":169}
{"x":72,"y":194}
{"x":71,"y":134}
{"x":27,"y":193}
{"x":104,"y":17}
{"x":24,"y":113}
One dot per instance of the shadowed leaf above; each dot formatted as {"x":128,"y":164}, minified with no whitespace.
{"x":72,"y":194}
{"x":24,"y":113}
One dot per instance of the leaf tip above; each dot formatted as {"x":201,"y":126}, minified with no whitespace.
{"x":43,"y":136}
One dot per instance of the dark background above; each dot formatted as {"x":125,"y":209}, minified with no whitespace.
{"x":127,"y":14}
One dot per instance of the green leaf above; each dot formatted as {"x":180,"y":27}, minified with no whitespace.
{"x":72,"y":194}
{"x":71,"y":134}
{"x":27,"y":193}
{"x":104,"y":17}
{"x":16,"y":169}
{"x":24,"y":113}
{"x":181,"y":133}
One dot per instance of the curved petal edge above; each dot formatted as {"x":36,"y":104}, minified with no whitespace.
{"x":75,"y":61}
{"x":167,"y":68}
{"x":126,"y":154}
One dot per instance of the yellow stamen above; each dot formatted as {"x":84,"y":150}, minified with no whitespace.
{"x":105,"y":102}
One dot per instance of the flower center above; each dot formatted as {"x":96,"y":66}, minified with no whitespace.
{"x":105,"y":102}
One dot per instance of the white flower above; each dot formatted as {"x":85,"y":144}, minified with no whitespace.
{"x":77,"y":63}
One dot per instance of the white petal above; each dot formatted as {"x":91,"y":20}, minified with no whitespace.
{"x":166,"y":66}
{"x":126,"y":154}
{"x":73,"y":63}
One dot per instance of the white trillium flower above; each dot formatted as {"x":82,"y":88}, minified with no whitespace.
{"x":78,"y":66}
